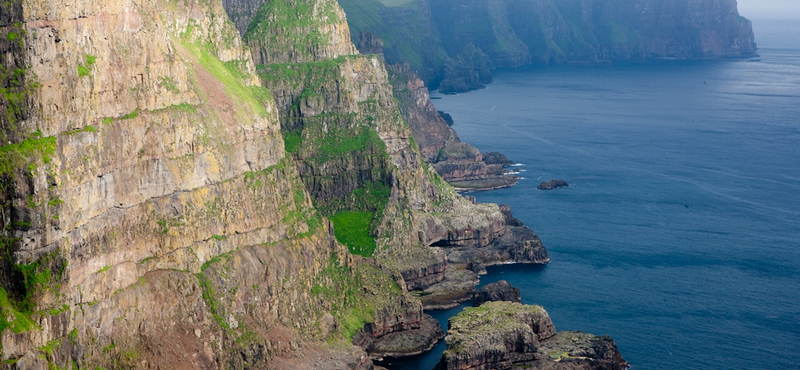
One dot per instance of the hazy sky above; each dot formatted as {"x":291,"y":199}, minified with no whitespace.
{"x":770,"y":8}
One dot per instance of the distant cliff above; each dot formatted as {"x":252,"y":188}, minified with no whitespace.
{"x":514,"y":33}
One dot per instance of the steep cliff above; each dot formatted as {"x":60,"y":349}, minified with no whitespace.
{"x":167,"y":202}
{"x":513,"y":33}
{"x":360,"y":162}
{"x":461,"y":164}
{"x":151,"y":217}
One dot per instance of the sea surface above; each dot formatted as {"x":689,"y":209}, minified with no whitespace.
{"x":679,"y":235}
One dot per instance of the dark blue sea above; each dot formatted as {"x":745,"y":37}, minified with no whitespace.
{"x":679,"y":235}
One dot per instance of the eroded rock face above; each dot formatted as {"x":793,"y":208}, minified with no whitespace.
{"x":459,"y":163}
{"x":502,"y":335}
{"x":499,"y":291}
{"x":495,"y":336}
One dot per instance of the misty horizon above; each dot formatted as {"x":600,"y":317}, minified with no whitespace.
{"x":770,"y":9}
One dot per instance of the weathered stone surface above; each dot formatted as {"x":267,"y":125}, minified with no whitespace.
{"x":410,"y":341}
{"x":458,"y":286}
{"x":499,"y":291}
{"x":495,"y":336}
{"x":569,"y":350}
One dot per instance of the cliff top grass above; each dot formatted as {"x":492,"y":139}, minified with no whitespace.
{"x":491,"y":317}
{"x":277,"y":15}
{"x":482,"y":328}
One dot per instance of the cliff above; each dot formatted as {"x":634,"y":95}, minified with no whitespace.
{"x":461,"y":164}
{"x":514,"y":33}
{"x":177,"y":195}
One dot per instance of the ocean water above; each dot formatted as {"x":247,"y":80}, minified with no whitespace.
{"x":679,"y":235}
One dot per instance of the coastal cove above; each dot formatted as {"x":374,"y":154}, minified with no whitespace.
{"x":678,"y":233}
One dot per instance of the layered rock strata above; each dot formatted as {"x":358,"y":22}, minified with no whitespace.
{"x":150,"y":215}
{"x":502,"y":335}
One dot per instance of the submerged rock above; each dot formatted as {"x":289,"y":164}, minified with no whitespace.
{"x":553,"y":184}
{"x":499,"y":291}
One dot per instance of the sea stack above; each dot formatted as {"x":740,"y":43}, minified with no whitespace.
{"x":553,"y":184}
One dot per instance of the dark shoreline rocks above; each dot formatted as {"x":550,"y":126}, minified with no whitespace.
{"x":553,"y":184}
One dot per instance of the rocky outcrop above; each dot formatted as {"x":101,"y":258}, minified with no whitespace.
{"x":459,"y":163}
{"x":502,"y":335}
{"x":553,"y":184}
{"x":356,"y":156}
{"x":499,"y":291}
{"x":514,"y":33}
{"x":409,"y":341}
{"x":496,"y":335}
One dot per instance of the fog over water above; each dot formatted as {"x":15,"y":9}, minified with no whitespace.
{"x":770,"y":9}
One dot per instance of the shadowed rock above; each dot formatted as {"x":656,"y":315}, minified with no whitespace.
{"x":553,"y":184}
{"x":499,"y":291}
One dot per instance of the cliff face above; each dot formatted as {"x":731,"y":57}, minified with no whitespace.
{"x":166,"y":202}
{"x":519,"y":32}
{"x":151,"y":217}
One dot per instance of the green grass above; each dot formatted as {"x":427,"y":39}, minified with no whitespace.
{"x":353,"y":230}
{"x":30,"y":149}
{"x":131,"y":115}
{"x":281,"y":14}
{"x":292,"y":140}
{"x":86,"y":69}
{"x":12,"y":317}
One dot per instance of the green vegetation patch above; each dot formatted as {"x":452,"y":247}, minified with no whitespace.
{"x":282,"y":14}
{"x":353,"y":230}
{"x":229,"y":77}
{"x":85,"y":69}
{"x":12,"y":317}
{"x":354,"y":293}
{"x":292,"y":140}
{"x":28,"y":151}
{"x":341,"y":141}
